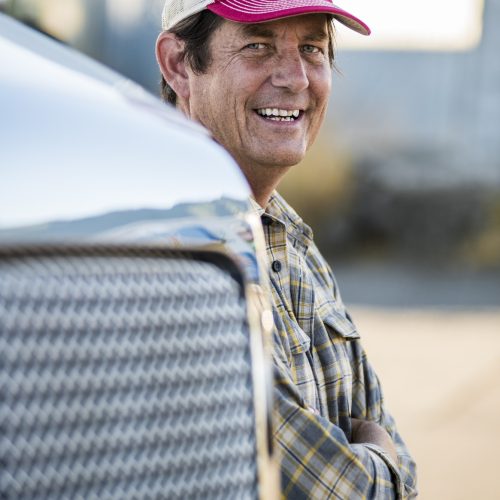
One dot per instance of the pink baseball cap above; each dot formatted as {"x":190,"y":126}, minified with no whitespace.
{"x":257,"y":11}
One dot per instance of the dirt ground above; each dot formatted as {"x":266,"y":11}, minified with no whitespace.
{"x":441,"y":376}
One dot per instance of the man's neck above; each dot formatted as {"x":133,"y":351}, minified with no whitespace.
{"x":264,"y":181}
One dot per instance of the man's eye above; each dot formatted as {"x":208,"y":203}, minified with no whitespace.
{"x":311,"y":49}
{"x":256,"y":46}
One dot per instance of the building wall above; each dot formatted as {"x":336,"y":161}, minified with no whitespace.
{"x":445,"y":105}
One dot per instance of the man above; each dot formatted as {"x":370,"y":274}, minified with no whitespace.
{"x":257,"y":74}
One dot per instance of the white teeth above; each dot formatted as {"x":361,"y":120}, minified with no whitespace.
{"x":281,"y":118}
{"x":279,"y":114}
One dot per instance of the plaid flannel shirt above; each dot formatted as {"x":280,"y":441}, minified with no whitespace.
{"x":322,"y":378}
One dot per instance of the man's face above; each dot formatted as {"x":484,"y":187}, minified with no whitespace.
{"x":265,"y":93}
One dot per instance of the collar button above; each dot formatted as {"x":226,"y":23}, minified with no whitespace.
{"x":276,"y":265}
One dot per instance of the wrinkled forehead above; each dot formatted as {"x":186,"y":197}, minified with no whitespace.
{"x":313,"y":26}
{"x":309,"y":27}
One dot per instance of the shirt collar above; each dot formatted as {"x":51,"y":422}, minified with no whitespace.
{"x":278,"y":209}
{"x":256,"y":207}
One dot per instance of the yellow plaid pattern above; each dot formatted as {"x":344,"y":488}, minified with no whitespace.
{"x":323,"y":378}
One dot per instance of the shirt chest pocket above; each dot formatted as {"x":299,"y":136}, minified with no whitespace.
{"x":323,"y":358}
{"x":339,"y":324}
{"x":303,"y":365}
{"x":332,"y":346}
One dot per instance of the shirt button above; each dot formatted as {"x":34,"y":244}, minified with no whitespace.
{"x":276,"y":265}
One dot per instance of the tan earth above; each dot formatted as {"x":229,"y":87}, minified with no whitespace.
{"x":441,"y":376}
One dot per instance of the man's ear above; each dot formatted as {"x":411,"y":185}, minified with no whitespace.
{"x":170,"y":57}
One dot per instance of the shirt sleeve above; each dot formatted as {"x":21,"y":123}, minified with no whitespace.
{"x":368,"y":403}
{"x":317,"y":460}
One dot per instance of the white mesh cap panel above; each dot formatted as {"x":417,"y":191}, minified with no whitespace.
{"x":177,"y":10}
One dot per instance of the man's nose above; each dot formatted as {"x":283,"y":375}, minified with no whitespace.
{"x":290,"y":72}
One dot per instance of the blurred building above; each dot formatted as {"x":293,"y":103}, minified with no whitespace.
{"x":423,"y":133}
{"x":119,"y":33}
{"x":440,"y":110}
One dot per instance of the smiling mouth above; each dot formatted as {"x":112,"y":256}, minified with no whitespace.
{"x":279,"y":115}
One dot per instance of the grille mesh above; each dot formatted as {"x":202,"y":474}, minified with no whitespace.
{"x":124,"y":377}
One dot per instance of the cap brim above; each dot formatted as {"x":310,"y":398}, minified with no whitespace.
{"x":258,"y":11}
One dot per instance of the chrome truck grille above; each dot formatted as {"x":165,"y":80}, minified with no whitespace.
{"x":124,"y":374}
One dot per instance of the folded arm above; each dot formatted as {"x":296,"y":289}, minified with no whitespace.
{"x":319,"y":459}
